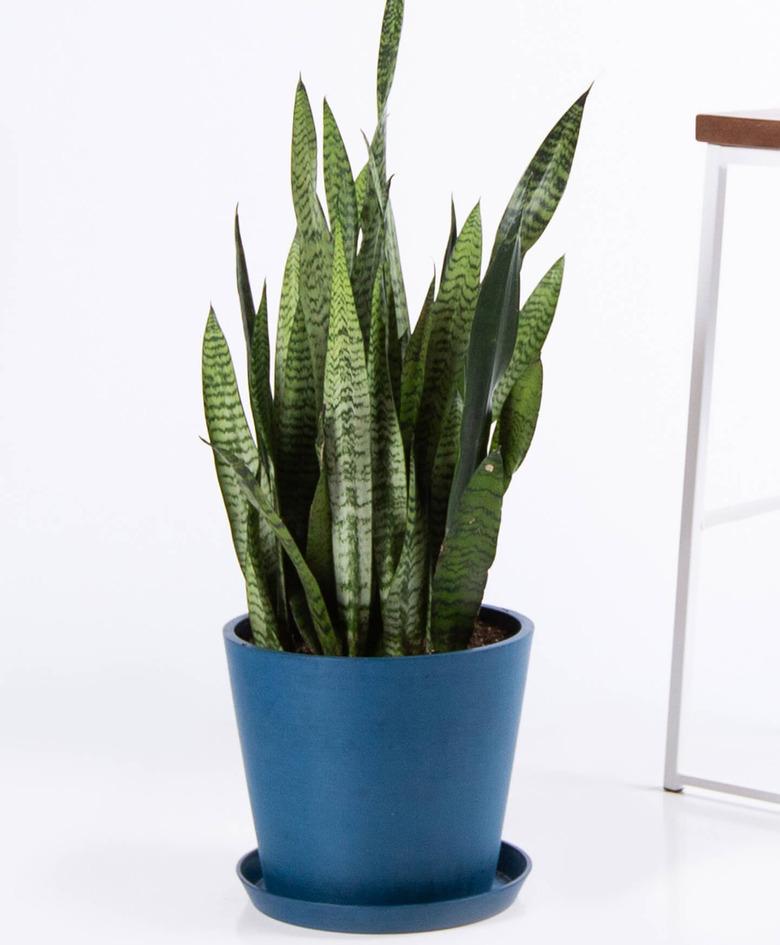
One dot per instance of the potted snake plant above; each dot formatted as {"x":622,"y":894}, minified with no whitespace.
{"x":377,"y":697}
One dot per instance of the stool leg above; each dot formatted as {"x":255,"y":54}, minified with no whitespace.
{"x":696,"y":449}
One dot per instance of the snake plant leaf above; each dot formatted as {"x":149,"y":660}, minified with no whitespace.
{"x":326,"y":640}
{"x":406,"y":597}
{"x":452,"y":237}
{"x":303,"y":168}
{"x":388,"y":51}
{"x":443,"y":470}
{"x":396,"y":344}
{"x":466,"y":556}
{"x":542,"y":185}
{"x":361,"y":183}
{"x":268,"y":556}
{"x":372,"y":247}
{"x":387,"y":448}
{"x":315,"y":242}
{"x":244,"y":288}
{"x":319,"y":540}
{"x":316,"y":263}
{"x":490,"y":349}
{"x":393,"y":257}
{"x":295,"y":411}
{"x":288,"y":304}
{"x":533,"y":325}
{"x":517,"y":423}
{"x":451,"y":317}
{"x":339,"y":184}
{"x":302,"y":619}
{"x":228,"y":431}
{"x":347,"y":447}
{"x":227,"y":428}
{"x":260,"y":386}
{"x":380,"y":186}
{"x":258,"y":364}
{"x":262,"y":615}
{"x":392,"y":254}
{"x":413,"y":371}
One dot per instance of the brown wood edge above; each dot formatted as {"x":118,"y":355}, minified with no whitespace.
{"x":737,"y":132}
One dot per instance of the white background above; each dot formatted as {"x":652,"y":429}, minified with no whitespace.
{"x":128,"y":131}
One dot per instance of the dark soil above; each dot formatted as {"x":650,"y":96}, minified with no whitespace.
{"x":485,"y":633}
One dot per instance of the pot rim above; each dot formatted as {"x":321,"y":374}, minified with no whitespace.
{"x":526,"y":630}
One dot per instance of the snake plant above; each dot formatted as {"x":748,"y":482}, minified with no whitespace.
{"x":365,"y":497}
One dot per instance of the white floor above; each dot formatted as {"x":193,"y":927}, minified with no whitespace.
{"x":124,"y":812}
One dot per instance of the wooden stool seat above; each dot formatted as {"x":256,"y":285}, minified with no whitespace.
{"x":741,"y":129}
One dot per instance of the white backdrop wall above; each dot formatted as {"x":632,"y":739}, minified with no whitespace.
{"x":127,"y":134}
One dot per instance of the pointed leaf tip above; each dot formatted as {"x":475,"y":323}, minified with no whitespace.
{"x":582,"y":99}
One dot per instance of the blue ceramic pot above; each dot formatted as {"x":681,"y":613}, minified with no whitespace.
{"x":379,"y":780}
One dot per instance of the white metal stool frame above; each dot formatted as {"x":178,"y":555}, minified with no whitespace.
{"x":694,"y":518}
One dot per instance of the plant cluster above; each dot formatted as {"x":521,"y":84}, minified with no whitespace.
{"x":365,"y":502}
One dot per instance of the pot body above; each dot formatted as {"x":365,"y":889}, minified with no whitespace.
{"x":379,"y":780}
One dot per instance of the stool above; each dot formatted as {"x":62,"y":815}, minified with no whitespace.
{"x":747,"y":139}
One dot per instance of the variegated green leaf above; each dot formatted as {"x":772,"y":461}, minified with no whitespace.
{"x":316,"y":265}
{"x":227,"y":427}
{"x":361,"y":183}
{"x":397,"y":343}
{"x":388,"y":51}
{"x":267,"y":553}
{"x":372,"y":247}
{"x":326,"y":639}
{"x":244,"y":288}
{"x":452,"y":237}
{"x":295,"y":409}
{"x":393,"y":258}
{"x":263,"y":616}
{"x":451,"y":317}
{"x":542,"y":185}
{"x":532,"y":327}
{"x":315,"y":242}
{"x":347,"y":430}
{"x":319,"y":541}
{"x":406,"y":597}
{"x":466,"y":556}
{"x":288,"y":305}
{"x":299,"y":609}
{"x":387,"y":449}
{"x":303,"y":167}
{"x":391,"y":253}
{"x":228,"y":431}
{"x":517,"y":424}
{"x":339,"y":184}
{"x":260,"y":385}
{"x":442,"y":471}
{"x":413,"y":372}
{"x":258,"y":355}
{"x":490,"y":349}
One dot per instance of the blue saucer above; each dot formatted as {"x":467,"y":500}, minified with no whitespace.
{"x":513,"y":867}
